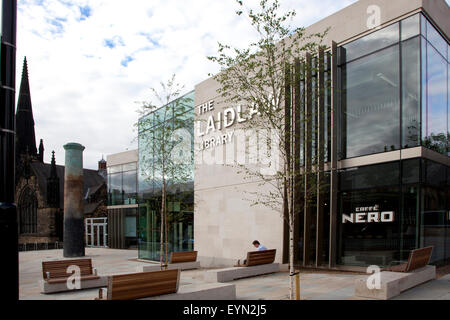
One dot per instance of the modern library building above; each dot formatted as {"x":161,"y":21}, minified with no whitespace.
{"x":384,"y":126}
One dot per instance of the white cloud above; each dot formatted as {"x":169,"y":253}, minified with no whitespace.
{"x":89,"y":61}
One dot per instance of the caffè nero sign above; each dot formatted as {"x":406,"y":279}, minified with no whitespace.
{"x":371,"y":214}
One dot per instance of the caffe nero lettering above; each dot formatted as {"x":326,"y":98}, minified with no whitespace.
{"x":369,"y":215}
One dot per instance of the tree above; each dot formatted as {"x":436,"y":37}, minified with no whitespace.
{"x":168,"y":158}
{"x":261,"y":78}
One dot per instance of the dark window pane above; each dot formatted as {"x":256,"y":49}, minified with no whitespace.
{"x":411,"y":92}
{"x":434,"y":222}
{"x":371,"y":104}
{"x":410,"y":27}
{"x":411,"y":171}
{"x":372,"y":42}
{"x":374,"y":176}
{"x":376,"y":243}
{"x":435,"y":174}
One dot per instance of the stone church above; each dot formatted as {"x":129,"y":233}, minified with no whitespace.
{"x":39,"y":192}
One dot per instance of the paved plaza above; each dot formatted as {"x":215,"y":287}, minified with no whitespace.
{"x":314,"y":285}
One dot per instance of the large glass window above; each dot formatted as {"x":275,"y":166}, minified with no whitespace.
{"x":435,"y":65}
{"x":435,"y":218}
{"x":436,"y":135}
{"x":115,"y":189}
{"x":411,"y":93}
{"x":394,"y":90}
{"x":370,"y":199}
{"x":410,"y":27}
{"x":370,"y":43}
{"x":414,"y":197}
{"x":371,"y":104}
{"x":176,"y":117}
{"x":122,"y":184}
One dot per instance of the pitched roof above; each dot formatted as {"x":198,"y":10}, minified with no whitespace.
{"x":92,"y":181}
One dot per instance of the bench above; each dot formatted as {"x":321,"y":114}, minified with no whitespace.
{"x":399,"y":278}
{"x":162,"y":285}
{"x":56,"y":274}
{"x":257,"y":263}
{"x":186,"y":260}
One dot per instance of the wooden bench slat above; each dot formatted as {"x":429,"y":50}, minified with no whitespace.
{"x":142,"y":285}
{"x":418,"y":258}
{"x":58,"y":268}
{"x":183,"y":256}
{"x":255,"y":258}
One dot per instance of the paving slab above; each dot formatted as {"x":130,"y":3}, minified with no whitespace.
{"x":314,"y":286}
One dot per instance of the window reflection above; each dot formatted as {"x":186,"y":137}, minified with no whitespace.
{"x":411,"y":92}
{"x":180,"y":202}
{"x":115,"y":189}
{"x":371,"y":104}
{"x":435,"y":38}
{"x":372,"y":99}
{"x":436,"y":134}
{"x":410,"y":27}
{"x":122,"y":185}
{"x":370,"y":43}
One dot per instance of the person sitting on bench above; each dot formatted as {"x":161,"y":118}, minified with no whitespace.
{"x":258,"y":246}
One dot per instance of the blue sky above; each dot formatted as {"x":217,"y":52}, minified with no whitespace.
{"x":90,"y":61}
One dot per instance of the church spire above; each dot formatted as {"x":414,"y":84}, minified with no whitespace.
{"x":26,"y":139}
{"x":53,"y":173}
{"x":41,"y":151}
{"x":53,"y":185}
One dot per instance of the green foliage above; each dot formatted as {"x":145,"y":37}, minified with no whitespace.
{"x":161,"y":129}
{"x":257,"y":77}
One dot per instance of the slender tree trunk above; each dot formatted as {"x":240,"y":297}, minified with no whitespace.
{"x":161,"y":250}
{"x":165,"y":229}
{"x":291,"y":257}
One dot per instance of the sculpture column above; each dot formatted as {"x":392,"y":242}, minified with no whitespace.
{"x":73,"y":201}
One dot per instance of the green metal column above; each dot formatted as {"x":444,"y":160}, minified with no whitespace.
{"x":73,"y":201}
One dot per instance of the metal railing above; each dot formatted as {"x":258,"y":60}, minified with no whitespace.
{"x":38,"y":246}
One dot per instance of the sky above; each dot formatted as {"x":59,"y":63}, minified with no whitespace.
{"x":90,"y":62}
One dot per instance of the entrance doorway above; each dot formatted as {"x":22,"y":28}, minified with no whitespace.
{"x":96,"y":232}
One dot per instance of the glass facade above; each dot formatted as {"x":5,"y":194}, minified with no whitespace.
{"x":394,"y":90}
{"x":178,"y":118}
{"x":388,"y":209}
{"x":394,"y":95}
{"x":122,"y":184}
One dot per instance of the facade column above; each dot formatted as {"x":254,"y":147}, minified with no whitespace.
{"x":298,"y":136}
{"x":308,"y":160}
{"x":334,"y":142}
{"x":73,"y":201}
{"x":320,"y":156}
